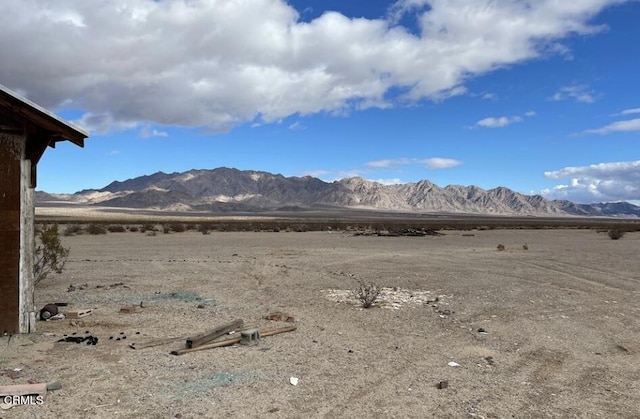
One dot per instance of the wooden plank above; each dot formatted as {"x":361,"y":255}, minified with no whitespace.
{"x":23,"y":390}
{"x":155,"y":342}
{"x":10,"y":235}
{"x":232,"y":340}
{"x":215,"y":333}
{"x":76,"y":314}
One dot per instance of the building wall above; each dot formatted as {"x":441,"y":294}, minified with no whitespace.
{"x":27,"y":309}
{"x":11,"y":155}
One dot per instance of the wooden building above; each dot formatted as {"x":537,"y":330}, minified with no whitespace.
{"x":26,"y":130}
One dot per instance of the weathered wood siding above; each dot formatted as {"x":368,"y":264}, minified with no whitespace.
{"x":11,"y":152}
{"x":27,"y":313}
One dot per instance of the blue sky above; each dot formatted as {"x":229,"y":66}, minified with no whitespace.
{"x":540,"y":96}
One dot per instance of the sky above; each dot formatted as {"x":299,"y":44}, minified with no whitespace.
{"x":540,"y":96}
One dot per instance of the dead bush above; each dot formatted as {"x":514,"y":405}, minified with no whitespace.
{"x":615,"y":234}
{"x":367,"y":293}
{"x":501,"y":247}
{"x":133,"y":228}
{"x":116,"y":228}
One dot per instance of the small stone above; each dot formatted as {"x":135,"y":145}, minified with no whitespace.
{"x":200,"y":305}
{"x":482,"y":330}
{"x":442,"y":385}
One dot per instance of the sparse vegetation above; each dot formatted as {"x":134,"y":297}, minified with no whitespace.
{"x":177,"y":227}
{"x":204,"y":228}
{"x":116,"y":228}
{"x":367,"y":293}
{"x":96,"y":229}
{"x":501,"y":247}
{"x":50,"y":255}
{"x":72,"y":230}
{"x":525,"y":247}
{"x":615,"y":234}
{"x":133,"y":229}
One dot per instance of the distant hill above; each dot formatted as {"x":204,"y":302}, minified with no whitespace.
{"x":231,"y":190}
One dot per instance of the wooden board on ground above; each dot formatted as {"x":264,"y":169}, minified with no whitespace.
{"x":214,"y":334}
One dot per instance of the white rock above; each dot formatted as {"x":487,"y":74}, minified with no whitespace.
{"x":294,"y":381}
{"x":453,"y":364}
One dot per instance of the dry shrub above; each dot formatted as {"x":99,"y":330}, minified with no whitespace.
{"x":367,"y":293}
{"x":116,"y":228}
{"x":177,"y":227}
{"x":72,"y":230}
{"x":96,"y":229}
{"x":50,"y":256}
{"x":525,"y":247}
{"x":615,"y":234}
{"x":501,"y":247}
{"x":133,"y":228}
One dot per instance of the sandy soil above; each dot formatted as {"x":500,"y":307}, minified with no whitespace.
{"x":562,"y":325}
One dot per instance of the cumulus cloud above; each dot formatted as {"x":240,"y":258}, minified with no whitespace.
{"x":618,"y":126}
{"x":429,"y":163}
{"x":580,"y":93}
{"x":501,"y":121}
{"x":603,"y":182}
{"x":217,"y":64}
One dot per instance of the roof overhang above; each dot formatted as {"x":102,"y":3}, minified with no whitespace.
{"x":39,"y":121}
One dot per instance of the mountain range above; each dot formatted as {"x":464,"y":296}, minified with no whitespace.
{"x":231,"y":190}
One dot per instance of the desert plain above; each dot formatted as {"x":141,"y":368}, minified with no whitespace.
{"x":548,"y":332}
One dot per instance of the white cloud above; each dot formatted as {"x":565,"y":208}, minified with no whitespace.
{"x":578,"y":92}
{"x":217,"y":64}
{"x":618,"y":126}
{"x":297,"y":126}
{"x":430,"y":163}
{"x":387,"y":182}
{"x":440,"y":163}
{"x":501,"y":121}
{"x":603,"y":182}
{"x":498,"y":122}
{"x":630,"y":111}
{"x":147,"y":132}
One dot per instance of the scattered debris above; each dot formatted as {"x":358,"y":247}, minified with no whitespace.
{"x":214,"y":334}
{"x":48,"y":311}
{"x":90,"y":340}
{"x":76,"y":314}
{"x":116,"y":285}
{"x":442,"y":385}
{"x":279,"y":316}
{"x":77,"y":287}
{"x":58,"y":316}
{"x":294,"y":381}
{"x":249,"y":337}
{"x":231,"y":341}
{"x":131,"y":309}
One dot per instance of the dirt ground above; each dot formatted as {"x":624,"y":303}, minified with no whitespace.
{"x":552,"y":331}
